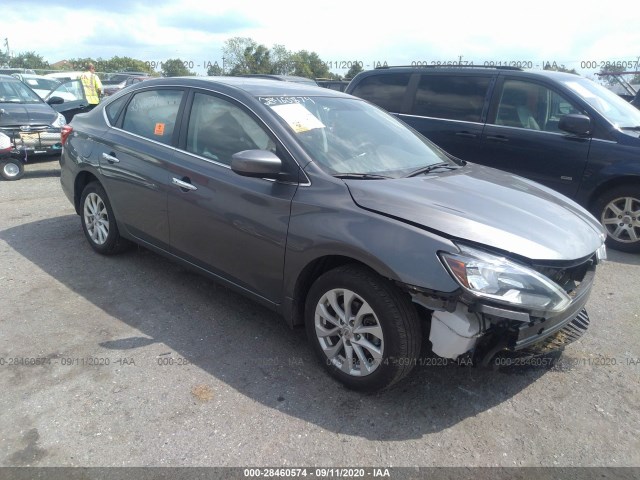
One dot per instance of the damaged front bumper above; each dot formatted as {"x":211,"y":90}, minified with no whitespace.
{"x":464,"y":325}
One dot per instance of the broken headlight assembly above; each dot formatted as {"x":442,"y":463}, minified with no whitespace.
{"x":503,"y":281}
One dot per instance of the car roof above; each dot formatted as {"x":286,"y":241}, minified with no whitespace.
{"x":9,"y":77}
{"x":469,"y":70}
{"x":254,"y":86}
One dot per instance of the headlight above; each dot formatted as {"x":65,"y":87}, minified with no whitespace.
{"x":59,"y":122}
{"x":501,"y":280}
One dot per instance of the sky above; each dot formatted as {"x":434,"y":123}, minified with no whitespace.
{"x":575,"y":34}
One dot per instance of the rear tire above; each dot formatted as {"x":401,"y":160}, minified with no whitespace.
{"x":11,"y":169}
{"x":99,"y":222}
{"x":365,"y":331}
{"x":618,"y":210}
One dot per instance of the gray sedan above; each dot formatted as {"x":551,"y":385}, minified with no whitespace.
{"x":335,"y":214}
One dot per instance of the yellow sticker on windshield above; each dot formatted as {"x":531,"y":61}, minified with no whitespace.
{"x":299,"y":118}
{"x":159,"y":130}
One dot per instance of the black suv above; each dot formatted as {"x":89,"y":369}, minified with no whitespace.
{"x":559,"y":129}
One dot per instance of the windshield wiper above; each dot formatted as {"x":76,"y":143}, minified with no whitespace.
{"x":435,"y":166}
{"x":631,"y":128}
{"x":361,"y":176}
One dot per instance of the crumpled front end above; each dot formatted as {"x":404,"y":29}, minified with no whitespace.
{"x":478,"y":321}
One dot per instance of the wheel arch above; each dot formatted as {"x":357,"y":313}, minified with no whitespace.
{"x":309,"y":274}
{"x":83,"y":179}
{"x":610,"y":184}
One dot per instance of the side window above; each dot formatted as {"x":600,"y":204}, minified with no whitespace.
{"x":69,"y":91}
{"x":152,"y":114}
{"x":114,"y":108}
{"x":532,"y":106}
{"x":451,"y":97}
{"x":386,"y":91}
{"x":218,"y":129}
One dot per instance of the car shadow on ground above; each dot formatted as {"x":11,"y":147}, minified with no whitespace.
{"x":249,"y":347}
{"x":615,"y":256}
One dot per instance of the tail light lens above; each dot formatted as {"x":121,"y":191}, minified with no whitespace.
{"x":65,"y":132}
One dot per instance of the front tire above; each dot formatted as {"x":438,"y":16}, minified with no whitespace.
{"x":365,"y":331}
{"x":99,"y":222}
{"x":618,"y":210}
{"x":11,"y":169}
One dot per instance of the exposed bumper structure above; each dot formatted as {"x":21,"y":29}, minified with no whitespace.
{"x":473,"y":327}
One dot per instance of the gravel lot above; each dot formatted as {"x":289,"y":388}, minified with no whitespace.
{"x":143,"y":363}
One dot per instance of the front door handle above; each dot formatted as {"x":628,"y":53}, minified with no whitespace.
{"x":185,"y":185}
{"x":497,"y":138}
{"x":110,"y":158}
{"x":466,"y":134}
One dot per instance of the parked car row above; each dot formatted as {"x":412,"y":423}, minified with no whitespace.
{"x":559,"y":129}
{"x":335,"y":214}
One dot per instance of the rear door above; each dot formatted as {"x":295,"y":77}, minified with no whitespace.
{"x":135,"y":155}
{"x":522,"y":135}
{"x":234,"y":227}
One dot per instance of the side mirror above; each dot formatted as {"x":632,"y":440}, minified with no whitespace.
{"x":55,"y":100}
{"x":256,"y":163}
{"x":576,"y":124}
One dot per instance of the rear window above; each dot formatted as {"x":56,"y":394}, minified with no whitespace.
{"x":153,"y":114}
{"x":386,"y":91}
{"x":451,"y":97}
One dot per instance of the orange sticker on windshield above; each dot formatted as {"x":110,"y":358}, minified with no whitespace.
{"x":159,"y":129}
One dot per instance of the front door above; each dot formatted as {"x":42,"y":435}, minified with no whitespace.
{"x":522,"y":136}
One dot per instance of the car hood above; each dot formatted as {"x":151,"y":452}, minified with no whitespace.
{"x":487,"y":206}
{"x":17,"y":114}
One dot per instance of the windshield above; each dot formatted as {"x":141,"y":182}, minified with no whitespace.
{"x":615,"y":109}
{"x":17,"y":92}
{"x":348,"y":136}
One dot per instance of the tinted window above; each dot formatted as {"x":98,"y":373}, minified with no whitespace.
{"x":152,"y":114}
{"x":14,"y":91}
{"x":451,"y":97}
{"x":532,"y":106}
{"x":387,"y":91}
{"x":218,"y":129}
{"x":114,"y":109}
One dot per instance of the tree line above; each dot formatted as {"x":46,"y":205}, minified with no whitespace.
{"x":241,"y":55}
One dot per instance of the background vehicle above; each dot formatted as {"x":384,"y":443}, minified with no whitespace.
{"x":339,"y":85}
{"x":117,"y":81}
{"x":39,"y":83}
{"x":32,"y":126}
{"x":331,"y":212}
{"x":64,"y":76}
{"x":69,"y":99}
{"x":559,"y":129}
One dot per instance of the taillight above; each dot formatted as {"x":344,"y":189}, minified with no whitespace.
{"x":65,"y":132}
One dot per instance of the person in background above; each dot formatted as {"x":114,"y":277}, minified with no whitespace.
{"x":92,"y":86}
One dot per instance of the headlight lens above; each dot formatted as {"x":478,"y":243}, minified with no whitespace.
{"x":501,"y":280}
{"x":59,"y":122}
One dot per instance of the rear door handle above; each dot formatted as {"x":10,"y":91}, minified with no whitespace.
{"x":186,"y":185}
{"x":466,"y":134}
{"x":110,"y":158}
{"x":497,"y":138}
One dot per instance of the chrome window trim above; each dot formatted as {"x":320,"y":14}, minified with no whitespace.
{"x":205,"y":91}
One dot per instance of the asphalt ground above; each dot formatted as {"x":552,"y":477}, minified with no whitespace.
{"x":133,"y":360}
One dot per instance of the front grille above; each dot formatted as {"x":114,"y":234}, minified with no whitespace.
{"x":571,"y":332}
{"x":569,"y":278}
